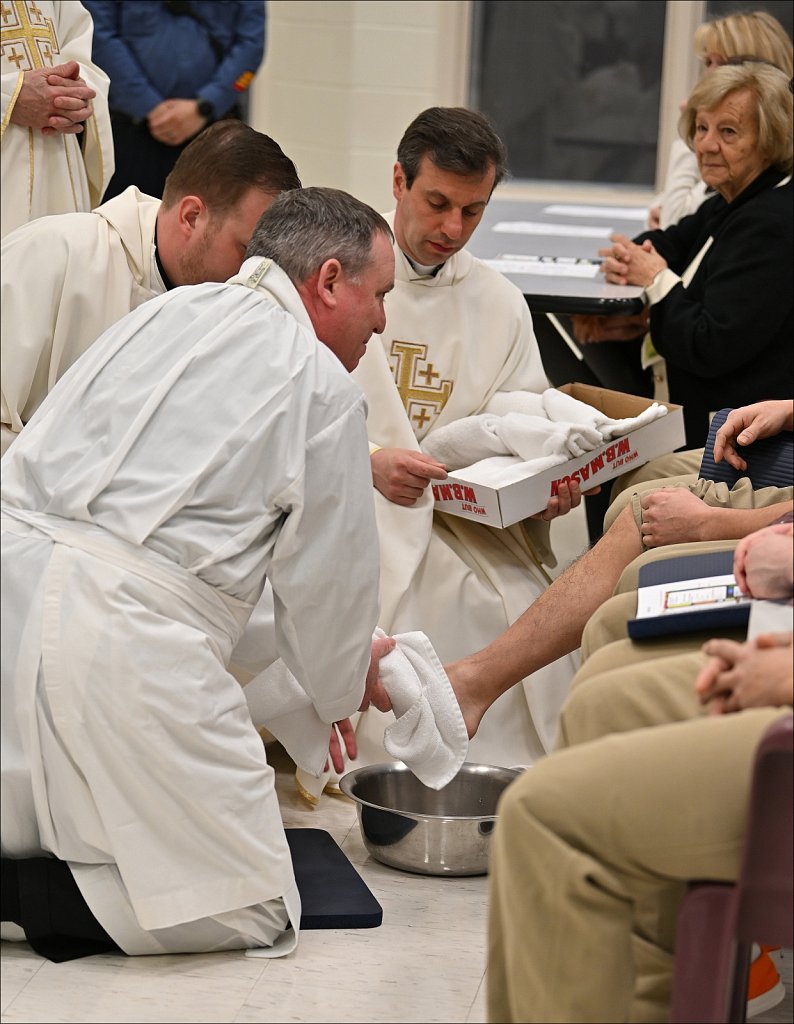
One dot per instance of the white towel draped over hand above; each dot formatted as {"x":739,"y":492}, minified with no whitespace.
{"x":429,"y":733}
{"x":536,"y":431}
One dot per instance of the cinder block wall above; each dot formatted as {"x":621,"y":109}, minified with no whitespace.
{"x":343,"y":78}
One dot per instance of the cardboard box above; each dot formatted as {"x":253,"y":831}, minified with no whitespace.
{"x":506,"y":505}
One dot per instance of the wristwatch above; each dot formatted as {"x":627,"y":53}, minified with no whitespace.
{"x":205,"y":109}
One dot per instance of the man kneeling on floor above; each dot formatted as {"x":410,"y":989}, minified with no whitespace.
{"x":206,"y":442}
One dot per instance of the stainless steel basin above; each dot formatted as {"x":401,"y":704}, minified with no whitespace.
{"x":409,"y":826}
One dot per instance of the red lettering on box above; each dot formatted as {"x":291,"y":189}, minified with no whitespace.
{"x":597,"y":463}
{"x":623,"y":445}
{"x":468,"y":494}
{"x":457,"y":490}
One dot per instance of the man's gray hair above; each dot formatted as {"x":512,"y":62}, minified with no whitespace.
{"x":304,"y":228}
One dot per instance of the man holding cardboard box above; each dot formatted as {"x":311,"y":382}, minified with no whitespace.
{"x":457,"y":333}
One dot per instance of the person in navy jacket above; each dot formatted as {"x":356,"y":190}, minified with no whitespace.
{"x":174,"y":68}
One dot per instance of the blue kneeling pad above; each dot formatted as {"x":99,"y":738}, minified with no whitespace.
{"x":333,"y":894}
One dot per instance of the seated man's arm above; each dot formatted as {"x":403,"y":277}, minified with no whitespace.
{"x":674,"y":515}
{"x":748,"y":424}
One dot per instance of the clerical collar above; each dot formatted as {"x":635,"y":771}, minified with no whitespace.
{"x":421,"y":269}
{"x":169,"y":284}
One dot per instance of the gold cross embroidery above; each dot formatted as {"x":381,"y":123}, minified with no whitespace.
{"x":31,"y":32}
{"x":421,"y":417}
{"x":421,"y":403}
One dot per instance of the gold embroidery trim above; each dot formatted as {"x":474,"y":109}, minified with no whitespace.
{"x":422,"y":402}
{"x":37,"y":39}
{"x":12,"y":103}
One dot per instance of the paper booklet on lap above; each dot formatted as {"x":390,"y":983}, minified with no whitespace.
{"x":689,"y":594}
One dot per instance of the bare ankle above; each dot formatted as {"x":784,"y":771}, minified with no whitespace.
{"x":469,"y":695}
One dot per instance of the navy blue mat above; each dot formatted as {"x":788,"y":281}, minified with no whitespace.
{"x":333,"y":894}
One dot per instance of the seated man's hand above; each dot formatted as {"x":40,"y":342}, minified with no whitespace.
{"x":374,"y":692}
{"x":673,"y":515}
{"x":568,"y":496}
{"x":754,"y":674}
{"x":762,"y":563}
{"x":401,"y":474}
{"x":748,"y":424}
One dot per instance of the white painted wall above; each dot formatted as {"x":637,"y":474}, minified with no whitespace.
{"x":342,"y":80}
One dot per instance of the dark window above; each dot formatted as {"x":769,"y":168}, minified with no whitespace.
{"x":572,"y":86}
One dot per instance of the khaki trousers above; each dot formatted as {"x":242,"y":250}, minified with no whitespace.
{"x":592,"y":851}
{"x":610,"y":622}
{"x":660,"y":470}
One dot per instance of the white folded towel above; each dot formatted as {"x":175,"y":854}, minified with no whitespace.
{"x":465,"y":440}
{"x":539,"y":431}
{"x":561,"y":407}
{"x":528,"y":403}
{"x":429,"y":733}
{"x":507,"y":469}
{"x":533,"y":437}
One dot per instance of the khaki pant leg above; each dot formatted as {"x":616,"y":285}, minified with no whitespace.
{"x":629,"y":578}
{"x":675,"y":464}
{"x":592,"y":851}
{"x":608,"y":628}
{"x":627,"y":495}
{"x":634,"y":695}
{"x":624,"y":653}
{"x":741,"y":495}
{"x":608,"y":624}
{"x":717,"y":495}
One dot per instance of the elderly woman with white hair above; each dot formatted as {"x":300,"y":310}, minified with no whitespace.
{"x":718,"y":284}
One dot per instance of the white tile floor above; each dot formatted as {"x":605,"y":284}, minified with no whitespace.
{"x":425,"y":963}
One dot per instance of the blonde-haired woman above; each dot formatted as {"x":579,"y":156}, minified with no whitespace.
{"x":718,"y":284}
{"x":752,"y":35}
